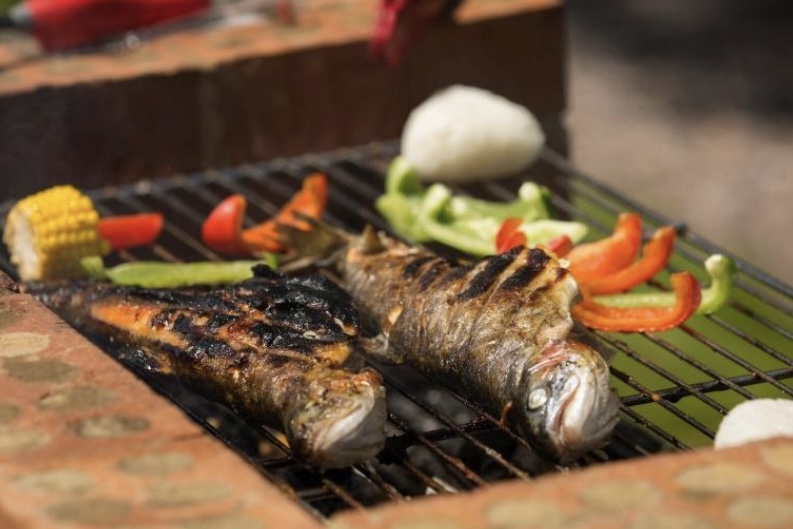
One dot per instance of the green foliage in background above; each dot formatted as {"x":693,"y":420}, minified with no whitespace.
{"x":5,"y":4}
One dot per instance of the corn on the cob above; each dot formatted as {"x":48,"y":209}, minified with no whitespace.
{"x":49,"y":232}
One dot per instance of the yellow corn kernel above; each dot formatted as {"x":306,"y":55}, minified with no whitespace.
{"x":48,"y":233}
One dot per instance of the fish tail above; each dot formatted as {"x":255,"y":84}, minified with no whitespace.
{"x":317,"y":246}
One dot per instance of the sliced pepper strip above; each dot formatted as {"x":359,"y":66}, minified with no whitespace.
{"x":509,"y":236}
{"x":158,"y":274}
{"x":561,"y":245}
{"x":222,"y":229}
{"x":469,"y":225}
{"x":655,"y":256}
{"x":642,"y":319}
{"x":309,"y":201}
{"x":722,"y":272}
{"x":601,"y":258}
{"x":129,"y":231}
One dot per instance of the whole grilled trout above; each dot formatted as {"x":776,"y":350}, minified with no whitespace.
{"x":496,"y":330}
{"x":273,"y":348}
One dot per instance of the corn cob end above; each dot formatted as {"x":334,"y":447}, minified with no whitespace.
{"x":48,"y":233}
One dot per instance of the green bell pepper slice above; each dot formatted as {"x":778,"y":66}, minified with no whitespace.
{"x":158,"y":274}
{"x":467,"y":224}
{"x":720,"y":268}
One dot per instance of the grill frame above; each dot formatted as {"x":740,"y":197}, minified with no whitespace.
{"x":356,"y":179}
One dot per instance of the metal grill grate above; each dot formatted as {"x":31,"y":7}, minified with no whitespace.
{"x":675,"y":386}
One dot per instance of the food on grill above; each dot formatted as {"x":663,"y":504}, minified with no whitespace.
{"x":467,"y":224}
{"x":158,"y":274}
{"x":463,"y":134}
{"x":512,"y":233}
{"x":721,"y":269}
{"x":129,"y":231}
{"x":223,"y":232}
{"x":755,"y":420}
{"x":610,"y":265}
{"x":48,"y":233}
{"x":497,"y":330}
{"x":276,"y":349}
{"x":642,"y":319}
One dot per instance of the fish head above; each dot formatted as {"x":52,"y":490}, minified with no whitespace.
{"x":338,"y":419}
{"x":567,"y":404}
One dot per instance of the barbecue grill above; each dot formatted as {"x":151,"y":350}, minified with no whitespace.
{"x":675,"y":386}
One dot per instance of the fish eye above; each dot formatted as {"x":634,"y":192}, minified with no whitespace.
{"x":537,"y":398}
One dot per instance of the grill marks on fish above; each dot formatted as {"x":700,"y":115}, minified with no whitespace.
{"x":483,"y":280}
{"x":276,"y":349}
{"x":455,"y":307}
{"x":484,"y":328}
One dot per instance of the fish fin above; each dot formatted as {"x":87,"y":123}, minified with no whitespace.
{"x":377,"y":347}
{"x":370,"y":242}
{"x":315,"y":246}
{"x":143,"y":358}
{"x":505,"y":413}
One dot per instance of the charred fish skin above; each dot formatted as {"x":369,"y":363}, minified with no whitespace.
{"x":273,"y":348}
{"x":496,"y":330}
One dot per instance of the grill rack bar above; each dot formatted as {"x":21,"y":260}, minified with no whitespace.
{"x":441,"y":453}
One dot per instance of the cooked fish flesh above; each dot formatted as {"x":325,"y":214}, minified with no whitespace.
{"x":497,"y":330}
{"x":275,"y":349}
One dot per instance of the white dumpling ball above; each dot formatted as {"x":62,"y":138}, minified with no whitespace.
{"x":464,"y":134}
{"x":755,"y":420}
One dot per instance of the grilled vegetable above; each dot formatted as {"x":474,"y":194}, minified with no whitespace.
{"x":597,"y":259}
{"x":655,"y":256}
{"x":608,"y":266}
{"x":722,"y":271}
{"x":466,"y":224}
{"x":497,"y":330}
{"x":309,"y":201}
{"x":49,"y":232}
{"x":512,"y":233}
{"x":128,"y":231}
{"x":157,"y":274}
{"x":222,"y":231}
{"x":273,"y":348}
{"x":646,"y":318}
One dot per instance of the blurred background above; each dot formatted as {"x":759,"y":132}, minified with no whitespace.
{"x":687,"y":107}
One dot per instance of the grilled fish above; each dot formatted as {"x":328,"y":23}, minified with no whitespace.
{"x":275,"y":349}
{"x":498,"y":330}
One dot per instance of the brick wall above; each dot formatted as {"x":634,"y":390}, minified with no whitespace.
{"x":222,"y":96}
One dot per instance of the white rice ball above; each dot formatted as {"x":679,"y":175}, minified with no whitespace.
{"x":755,"y":420}
{"x":463,"y":134}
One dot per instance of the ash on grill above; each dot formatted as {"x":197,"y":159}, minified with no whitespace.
{"x":675,"y":387}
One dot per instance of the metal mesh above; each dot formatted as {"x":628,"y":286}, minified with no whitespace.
{"x":675,"y":386}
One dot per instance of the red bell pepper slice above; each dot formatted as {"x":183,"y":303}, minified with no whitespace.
{"x":222,"y":229}
{"x":642,"y":319}
{"x":508,"y":235}
{"x":561,"y":245}
{"x":604,"y":257}
{"x":655,"y":256}
{"x":129,"y":231}
{"x":309,"y":201}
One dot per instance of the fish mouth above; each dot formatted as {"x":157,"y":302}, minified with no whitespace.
{"x":339,"y":422}
{"x":584,"y":416}
{"x":352,"y":435}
